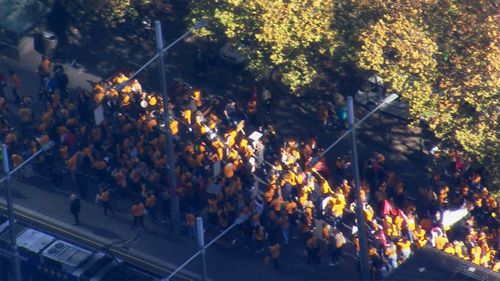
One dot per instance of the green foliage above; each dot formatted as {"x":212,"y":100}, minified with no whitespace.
{"x":442,"y":56}
{"x":293,"y":36}
{"x":110,"y":13}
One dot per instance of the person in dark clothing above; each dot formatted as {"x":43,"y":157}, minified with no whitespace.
{"x":3,"y":84}
{"x":75,"y":208}
{"x":62,"y":80}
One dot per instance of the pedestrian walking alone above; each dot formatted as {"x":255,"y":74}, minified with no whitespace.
{"x":138,"y":213}
{"x":105,"y":198}
{"x":275,"y":254}
{"x":15,"y":83}
{"x":75,"y":208}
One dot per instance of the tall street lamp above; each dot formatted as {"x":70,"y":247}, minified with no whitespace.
{"x":160,"y":52}
{"x":16,"y":265}
{"x":363,"y":244}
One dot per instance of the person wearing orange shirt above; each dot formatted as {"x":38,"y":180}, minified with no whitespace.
{"x":191,"y":224}
{"x":137,"y":211}
{"x":103,"y":196}
{"x":44,"y":70}
{"x":151,"y":206}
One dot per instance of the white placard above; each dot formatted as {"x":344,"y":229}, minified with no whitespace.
{"x":99,"y":115}
{"x":255,"y":136}
{"x":217,"y":168}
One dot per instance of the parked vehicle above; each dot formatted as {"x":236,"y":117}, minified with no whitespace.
{"x":372,"y":92}
{"x":231,"y":54}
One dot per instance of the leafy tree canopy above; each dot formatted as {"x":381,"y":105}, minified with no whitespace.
{"x":110,"y":13}
{"x":292,"y":35}
{"x":442,"y":56}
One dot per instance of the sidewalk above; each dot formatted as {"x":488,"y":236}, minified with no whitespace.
{"x":163,"y":246}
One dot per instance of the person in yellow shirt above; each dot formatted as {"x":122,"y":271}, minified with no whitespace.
{"x":496,"y":265}
{"x":420,"y":236}
{"x":405,"y":247}
{"x":186,"y":116}
{"x":476,"y":254}
{"x":449,"y":249}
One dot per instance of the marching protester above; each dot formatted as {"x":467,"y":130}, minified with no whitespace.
{"x":138,"y":212}
{"x":226,"y":169}
{"x":104,"y":197}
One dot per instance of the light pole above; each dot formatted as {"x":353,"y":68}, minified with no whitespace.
{"x":16,"y":266}
{"x":175,"y":215}
{"x":237,"y":222}
{"x":363,"y":245}
{"x":201,"y":243}
{"x":384,"y":102}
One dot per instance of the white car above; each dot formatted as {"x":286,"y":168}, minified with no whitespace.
{"x":373,"y":92}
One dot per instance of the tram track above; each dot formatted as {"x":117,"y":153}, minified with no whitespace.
{"x":140,"y":261}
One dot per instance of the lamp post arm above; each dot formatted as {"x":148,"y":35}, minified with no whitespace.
{"x":26,"y":161}
{"x":386,"y":101}
{"x":237,"y":222}
{"x":196,"y":27}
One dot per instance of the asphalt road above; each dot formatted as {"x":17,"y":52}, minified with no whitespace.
{"x":402,"y":152}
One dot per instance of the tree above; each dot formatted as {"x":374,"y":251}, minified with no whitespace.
{"x":444,"y":58}
{"x":293,"y":36}
{"x":110,"y":13}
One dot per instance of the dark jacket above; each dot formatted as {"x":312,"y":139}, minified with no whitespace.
{"x":75,"y":205}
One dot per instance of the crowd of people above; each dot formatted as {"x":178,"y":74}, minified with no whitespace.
{"x":225,"y":171}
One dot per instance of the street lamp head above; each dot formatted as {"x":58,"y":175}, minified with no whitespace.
{"x":200,"y":24}
{"x":390,"y":98}
{"x":48,"y":145}
{"x":120,"y":86}
{"x":241,"y":219}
